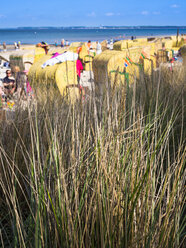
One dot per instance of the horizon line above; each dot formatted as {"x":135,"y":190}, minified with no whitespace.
{"x":100,"y":27}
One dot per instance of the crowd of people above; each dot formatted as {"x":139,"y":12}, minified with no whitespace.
{"x":16,"y":45}
{"x":66,"y":43}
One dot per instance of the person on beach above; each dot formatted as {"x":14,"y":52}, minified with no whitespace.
{"x":4,"y":46}
{"x":9,"y":84}
{"x":44,"y":45}
{"x":20,"y":83}
{"x":111,"y":44}
{"x":79,"y":69}
{"x":67,"y":43}
{"x":15,"y":45}
{"x":89,"y":45}
{"x":28,"y":88}
{"x":62,"y":43}
{"x":19,"y":45}
{"x":98,"y":48}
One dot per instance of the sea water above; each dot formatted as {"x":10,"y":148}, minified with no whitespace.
{"x":54,"y":35}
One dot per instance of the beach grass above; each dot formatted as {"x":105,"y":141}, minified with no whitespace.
{"x":107,"y":171}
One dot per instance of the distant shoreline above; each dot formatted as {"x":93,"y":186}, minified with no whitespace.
{"x":99,"y":27}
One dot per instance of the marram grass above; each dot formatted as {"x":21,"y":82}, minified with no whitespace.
{"x":106,"y":172}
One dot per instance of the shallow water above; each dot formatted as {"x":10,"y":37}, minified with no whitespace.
{"x":52,"y":35}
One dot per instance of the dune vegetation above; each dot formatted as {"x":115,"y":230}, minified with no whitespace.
{"x":107,"y":171}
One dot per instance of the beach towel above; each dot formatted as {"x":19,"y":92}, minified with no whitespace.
{"x":67,"y":56}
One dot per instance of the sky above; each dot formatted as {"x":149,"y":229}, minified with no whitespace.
{"x":37,"y":13}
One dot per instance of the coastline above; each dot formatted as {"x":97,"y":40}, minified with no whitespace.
{"x":34,"y":36}
{"x":25,"y":46}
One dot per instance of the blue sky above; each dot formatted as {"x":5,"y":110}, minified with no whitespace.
{"x":22,"y":13}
